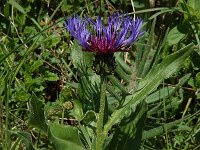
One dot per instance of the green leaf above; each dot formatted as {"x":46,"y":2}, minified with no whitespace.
{"x":50,"y":76}
{"x":184,"y":79}
{"x":192,"y":9}
{"x":165,"y":69}
{"x":86,"y":136}
{"x":143,"y":53}
{"x":66,"y":7}
{"x":123,"y":65}
{"x":29,"y":81}
{"x":175,"y":35}
{"x":160,"y":94}
{"x":17,"y":6}
{"x":20,"y":20}
{"x":170,"y":104}
{"x":129,"y":131}
{"x":36,"y":65}
{"x":55,"y":60}
{"x":122,"y":75}
{"x":22,"y":96}
{"x":36,"y":116}
{"x":117,"y":83}
{"x":160,"y":130}
{"x":26,"y":137}
{"x":197,"y":80}
{"x":79,"y":57}
{"x":195,"y":60}
{"x":194,"y":4}
{"x":29,"y":30}
{"x":76,"y":53}
{"x":89,"y":117}
{"x":51,"y":41}
{"x":77,"y":111}
{"x":138,"y":4}
{"x":165,"y":93}
{"x":65,"y":137}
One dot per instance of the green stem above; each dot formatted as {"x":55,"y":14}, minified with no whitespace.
{"x":100,"y":135}
{"x":7,"y":134}
{"x":63,"y":115}
{"x":1,"y":121}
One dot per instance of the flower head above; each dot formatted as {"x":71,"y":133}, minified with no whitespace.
{"x":118,"y":34}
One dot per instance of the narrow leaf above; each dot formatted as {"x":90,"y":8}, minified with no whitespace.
{"x":123,"y":65}
{"x":160,"y":130}
{"x":17,"y":6}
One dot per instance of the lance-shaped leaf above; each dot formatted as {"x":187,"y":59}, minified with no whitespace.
{"x":165,"y":69}
{"x":36,"y":116}
{"x":128,"y":135}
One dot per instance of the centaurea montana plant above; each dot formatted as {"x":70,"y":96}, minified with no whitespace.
{"x":117,"y":35}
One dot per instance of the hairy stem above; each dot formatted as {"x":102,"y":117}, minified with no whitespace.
{"x":100,"y":135}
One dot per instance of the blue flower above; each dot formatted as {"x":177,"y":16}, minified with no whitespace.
{"x":116,"y":35}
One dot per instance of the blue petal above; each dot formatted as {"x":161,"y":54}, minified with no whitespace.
{"x":77,"y":29}
{"x":120,"y":32}
{"x":135,"y":32}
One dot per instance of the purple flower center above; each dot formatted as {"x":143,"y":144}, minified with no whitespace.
{"x":101,"y":45}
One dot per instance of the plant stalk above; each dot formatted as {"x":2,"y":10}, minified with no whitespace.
{"x":7,"y":134}
{"x":100,"y":135}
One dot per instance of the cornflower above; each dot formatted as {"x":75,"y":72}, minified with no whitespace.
{"x":94,"y":36}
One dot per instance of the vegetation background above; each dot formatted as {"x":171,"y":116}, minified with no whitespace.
{"x":49,"y":95}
